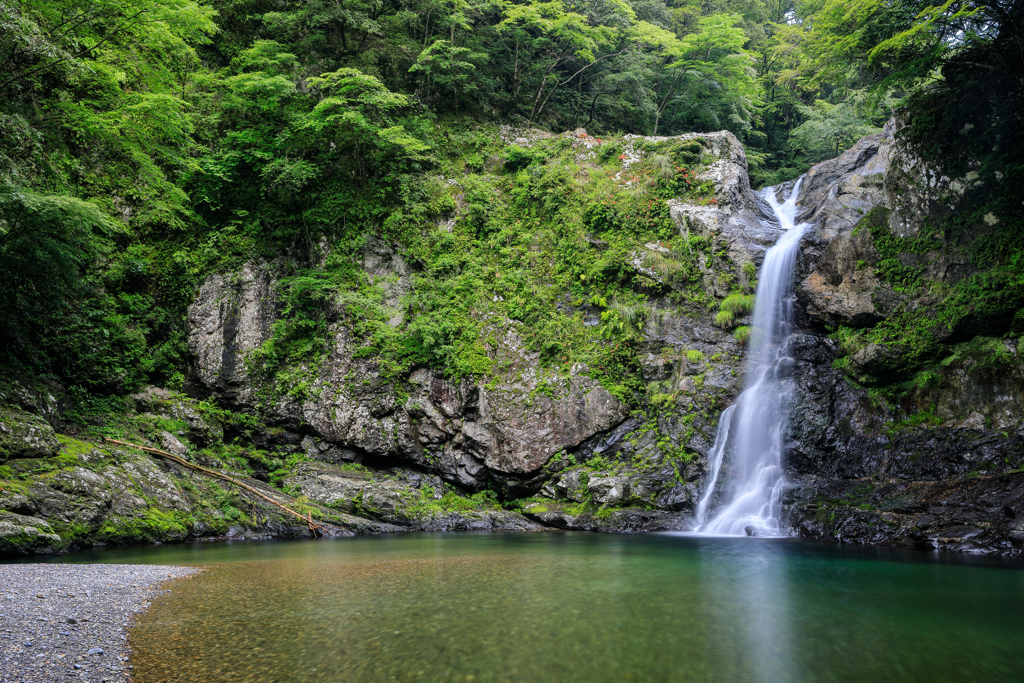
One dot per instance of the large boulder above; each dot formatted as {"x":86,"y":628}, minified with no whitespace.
{"x":23,"y":435}
{"x":509,"y":425}
{"x":21,"y":534}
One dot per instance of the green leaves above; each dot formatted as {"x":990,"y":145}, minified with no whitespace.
{"x":830,"y":128}
{"x":444,"y":68}
{"x":55,"y":234}
{"x":356,"y":111}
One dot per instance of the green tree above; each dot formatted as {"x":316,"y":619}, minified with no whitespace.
{"x":830,"y":128}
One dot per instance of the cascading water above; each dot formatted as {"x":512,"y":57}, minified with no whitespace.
{"x":750,"y":432}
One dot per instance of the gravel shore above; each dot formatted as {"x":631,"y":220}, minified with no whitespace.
{"x":61,"y":622}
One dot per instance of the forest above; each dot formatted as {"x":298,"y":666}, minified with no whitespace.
{"x":147,"y":143}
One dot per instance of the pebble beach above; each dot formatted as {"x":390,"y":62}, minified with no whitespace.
{"x":62,"y":622}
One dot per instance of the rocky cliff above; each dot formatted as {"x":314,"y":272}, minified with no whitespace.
{"x":903,"y":433}
{"x":581,"y":456}
{"x":910,"y":439}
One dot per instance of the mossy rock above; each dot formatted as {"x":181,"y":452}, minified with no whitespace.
{"x":23,"y":435}
{"x":20,"y":534}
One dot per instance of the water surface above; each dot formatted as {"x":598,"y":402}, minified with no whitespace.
{"x":577,"y":607}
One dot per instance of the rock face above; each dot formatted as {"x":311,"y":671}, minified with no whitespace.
{"x":526,"y":447}
{"x":511,"y":425}
{"x":406,"y":498}
{"x":231,"y":316}
{"x":504,"y":430}
{"x":739,"y":222}
{"x":20,"y":534}
{"x":938,"y":468}
{"x":523,"y":429}
{"x":877,"y":190}
{"x":967,"y":514}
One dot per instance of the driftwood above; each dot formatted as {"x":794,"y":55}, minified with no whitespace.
{"x":308,"y":518}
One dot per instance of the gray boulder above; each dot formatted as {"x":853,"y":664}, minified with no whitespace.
{"x":23,"y":435}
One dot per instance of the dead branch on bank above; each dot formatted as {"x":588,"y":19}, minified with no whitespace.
{"x":308,"y":518}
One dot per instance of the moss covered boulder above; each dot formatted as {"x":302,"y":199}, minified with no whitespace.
{"x":21,"y":534}
{"x":23,"y":435}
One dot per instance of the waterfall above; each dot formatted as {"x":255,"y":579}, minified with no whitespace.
{"x":750,"y":433}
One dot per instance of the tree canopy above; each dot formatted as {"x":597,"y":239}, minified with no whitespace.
{"x":144,"y":142}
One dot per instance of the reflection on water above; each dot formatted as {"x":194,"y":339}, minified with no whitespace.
{"x":578,"y":607}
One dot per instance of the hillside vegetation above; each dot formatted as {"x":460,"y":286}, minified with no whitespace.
{"x":146,"y":143}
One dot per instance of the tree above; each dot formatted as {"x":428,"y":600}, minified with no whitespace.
{"x":443,"y":68}
{"x":829,"y":128}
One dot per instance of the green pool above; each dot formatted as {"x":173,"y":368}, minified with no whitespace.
{"x":577,"y":607}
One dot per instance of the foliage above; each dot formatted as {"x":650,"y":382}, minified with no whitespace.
{"x":829,"y":128}
{"x":147,"y":143}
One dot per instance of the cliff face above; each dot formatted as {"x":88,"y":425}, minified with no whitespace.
{"x":526,"y":431}
{"x":892,"y":440}
{"x":887,"y":448}
{"x":931,"y":465}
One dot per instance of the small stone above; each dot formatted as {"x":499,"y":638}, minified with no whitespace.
{"x":95,"y":651}
{"x":72,"y":620}
{"x":39,"y":595}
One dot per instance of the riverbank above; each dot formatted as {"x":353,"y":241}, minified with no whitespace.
{"x":60,"y":621}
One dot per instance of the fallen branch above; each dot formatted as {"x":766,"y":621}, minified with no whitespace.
{"x":308,"y":518}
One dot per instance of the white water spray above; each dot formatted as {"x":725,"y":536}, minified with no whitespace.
{"x":750,"y":432}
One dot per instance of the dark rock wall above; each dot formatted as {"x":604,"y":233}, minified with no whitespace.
{"x":951,"y":448}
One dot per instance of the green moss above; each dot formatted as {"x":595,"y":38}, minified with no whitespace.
{"x":73,"y":447}
{"x":154,"y":525}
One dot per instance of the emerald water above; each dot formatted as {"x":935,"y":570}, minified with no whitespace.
{"x":577,"y":607}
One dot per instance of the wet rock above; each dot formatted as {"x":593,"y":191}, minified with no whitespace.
{"x":623,"y":520}
{"x":402,"y":498}
{"x":837,"y":193}
{"x":959,"y":515}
